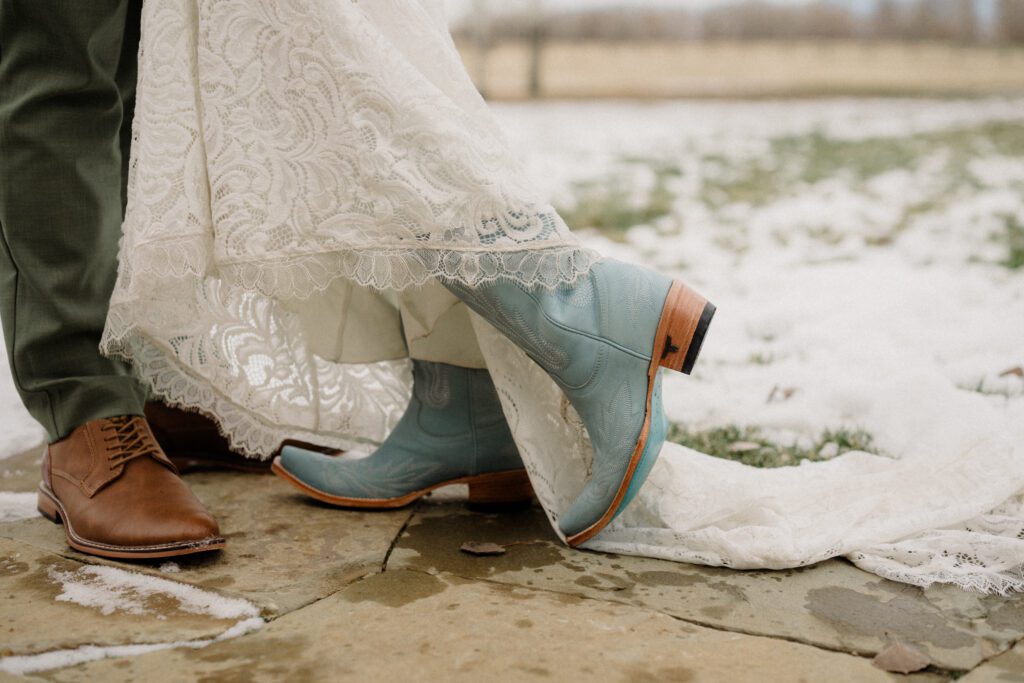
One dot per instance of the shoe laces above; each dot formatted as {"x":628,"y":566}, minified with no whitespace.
{"x":126,"y":439}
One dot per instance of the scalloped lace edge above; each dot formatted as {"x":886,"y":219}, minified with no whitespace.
{"x":545,"y":264}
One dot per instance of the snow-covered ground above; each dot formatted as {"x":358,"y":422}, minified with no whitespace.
{"x":850,"y":245}
{"x":18,"y":431}
{"x":864,"y":254}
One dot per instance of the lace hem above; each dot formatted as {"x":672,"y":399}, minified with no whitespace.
{"x":247,"y":431}
{"x":190,"y":328}
{"x":1002,"y":582}
{"x":147,"y":267}
{"x":399,"y":269}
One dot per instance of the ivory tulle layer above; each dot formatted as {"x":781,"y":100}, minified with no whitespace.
{"x":283,"y":145}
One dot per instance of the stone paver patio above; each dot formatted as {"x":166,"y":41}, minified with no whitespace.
{"x":351,"y":595}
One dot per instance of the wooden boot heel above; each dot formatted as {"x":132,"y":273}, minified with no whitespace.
{"x":685,"y":318}
{"x":500,"y":490}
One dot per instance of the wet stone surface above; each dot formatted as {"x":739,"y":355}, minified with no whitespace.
{"x":536,"y":612}
{"x":48,"y":602}
{"x":415,"y":626}
{"x":283,"y":550}
{"x":1006,"y":668}
{"x":833,"y":604}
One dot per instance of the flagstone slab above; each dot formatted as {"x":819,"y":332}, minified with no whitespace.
{"x":1006,"y":668}
{"x":12,"y":678}
{"x":833,"y":604}
{"x":283,"y":551}
{"x":412,"y":626}
{"x":47,"y":603}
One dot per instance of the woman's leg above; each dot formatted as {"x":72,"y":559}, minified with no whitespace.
{"x":454,"y":429}
{"x":438,"y":329}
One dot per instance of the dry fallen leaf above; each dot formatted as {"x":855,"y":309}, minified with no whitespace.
{"x":901,"y":659}
{"x":779,"y":393}
{"x":477,"y":548}
{"x":1016,"y":372}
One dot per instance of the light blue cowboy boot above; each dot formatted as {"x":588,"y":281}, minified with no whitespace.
{"x":454,"y":431}
{"x":604,"y":340}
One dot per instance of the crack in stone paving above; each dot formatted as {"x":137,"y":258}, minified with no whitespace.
{"x":398,"y":536}
{"x":713,"y":627}
{"x":986,"y":660}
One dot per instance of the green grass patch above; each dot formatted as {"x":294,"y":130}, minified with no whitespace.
{"x":1014,"y":238}
{"x":750,"y":446}
{"x":609,"y":204}
{"x":792,"y":164}
{"x":809,"y":159}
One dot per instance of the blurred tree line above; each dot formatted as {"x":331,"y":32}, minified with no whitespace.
{"x":954,"y":21}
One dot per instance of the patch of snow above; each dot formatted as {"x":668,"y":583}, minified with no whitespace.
{"x":16,"y":506}
{"x":20,"y":431}
{"x":170,"y":568}
{"x":25,"y":664}
{"x":110,"y":590}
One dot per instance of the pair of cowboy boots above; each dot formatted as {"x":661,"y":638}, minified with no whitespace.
{"x":604,"y":339}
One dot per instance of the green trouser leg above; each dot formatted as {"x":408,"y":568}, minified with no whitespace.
{"x":67,"y":88}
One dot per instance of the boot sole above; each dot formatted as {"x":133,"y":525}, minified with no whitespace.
{"x":50,"y":507}
{"x":494,"y":489}
{"x":684,"y":322}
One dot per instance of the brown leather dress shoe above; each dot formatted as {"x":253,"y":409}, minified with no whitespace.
{"x":119,"y":496}
{"x":193,"y":442}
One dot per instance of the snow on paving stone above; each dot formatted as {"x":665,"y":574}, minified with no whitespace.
{"x":25,"y":664}
{"x":110,"y":590}
{"x":17,"y":506}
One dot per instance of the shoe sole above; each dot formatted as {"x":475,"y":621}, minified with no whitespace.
{"x":50,"y":507}
{"x":685,"y":318}
{"x":494,"y":489}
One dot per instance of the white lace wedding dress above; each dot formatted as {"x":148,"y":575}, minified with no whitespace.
{"x":282,"y":147}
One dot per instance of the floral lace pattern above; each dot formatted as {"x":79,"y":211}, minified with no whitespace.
{"x":278,"y":146}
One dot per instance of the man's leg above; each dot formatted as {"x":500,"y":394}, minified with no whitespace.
{"x":65,"y":68}
{"x":67,"y":72}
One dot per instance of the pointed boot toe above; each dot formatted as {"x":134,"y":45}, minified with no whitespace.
{"x":453,"y":432}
